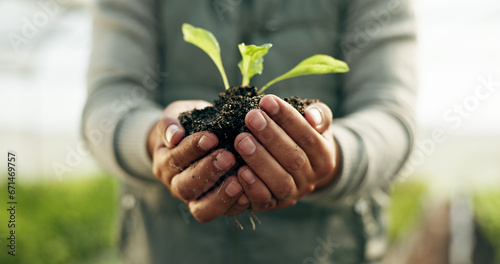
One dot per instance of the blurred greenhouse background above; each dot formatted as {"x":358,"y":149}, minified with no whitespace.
{"x":445,"y":209}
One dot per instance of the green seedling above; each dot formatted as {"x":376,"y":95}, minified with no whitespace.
{"x":253,"y":58}
{"x":206,"y":41}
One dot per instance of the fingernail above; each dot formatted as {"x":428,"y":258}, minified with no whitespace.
{"x":316,"y":116}
{"x":171,"y":130}
{"x":206,"y":143}
{"x":248,"y":177}
{"x":247,"y":146}
{"x":222,"y":161}
{"x":258,"y":122}
{"x":270,"y":105}
{"x":243,"y":200}
{"x":233,"y":189}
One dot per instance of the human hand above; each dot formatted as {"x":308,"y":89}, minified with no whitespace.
{"x":188,"y":172}
{"x":287,"y":155}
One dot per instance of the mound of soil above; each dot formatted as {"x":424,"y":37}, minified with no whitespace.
{"x":226,"y":118}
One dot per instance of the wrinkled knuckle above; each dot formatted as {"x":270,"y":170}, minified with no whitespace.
{"x":263,"y":202}
{"x":266,"y":136}
{"x":298,"y":162}
{"x":174,"y":161}
{"x":284,"y":118}
{"x":284,"y":190}
{"x":184,"y":192}
{"x":308,"y":141}
{"x":161,"y":175}
{"x":266,"y":205}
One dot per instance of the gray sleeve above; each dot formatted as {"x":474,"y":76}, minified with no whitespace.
{"x":122,"y":79}
{"x":376,"y":132}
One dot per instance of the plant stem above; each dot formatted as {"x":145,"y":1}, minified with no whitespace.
{"x":245,"y":81}
{"x":224,"y":77}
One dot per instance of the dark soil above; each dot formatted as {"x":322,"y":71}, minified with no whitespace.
{"x":226,"y":118}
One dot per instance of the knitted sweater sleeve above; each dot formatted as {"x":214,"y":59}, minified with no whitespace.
{"x":376,"y":130}
{"x":122,"y":80}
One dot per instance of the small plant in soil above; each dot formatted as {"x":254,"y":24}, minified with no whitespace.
{"x":226,"y":118}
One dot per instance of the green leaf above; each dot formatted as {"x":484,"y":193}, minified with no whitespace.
{"x":317,"y":64}
{"x":252,"y":59}
{"x":206,"y":41}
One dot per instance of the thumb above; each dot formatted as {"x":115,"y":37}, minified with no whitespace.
{"x":169,"y":127}
{"x":170,"y":131}
{"x":319,"y":116}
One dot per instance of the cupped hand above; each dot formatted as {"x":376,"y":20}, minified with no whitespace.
{"x":288,"y":155}
{"x":189,"y":169}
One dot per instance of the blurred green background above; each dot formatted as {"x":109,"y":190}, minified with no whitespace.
{"x":76,"y":221}
{"x":64,"y":222}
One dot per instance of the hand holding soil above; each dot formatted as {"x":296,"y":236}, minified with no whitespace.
{"x":188,"y":167}
{"x":284,"y":152}
{"x":287,"y":155}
